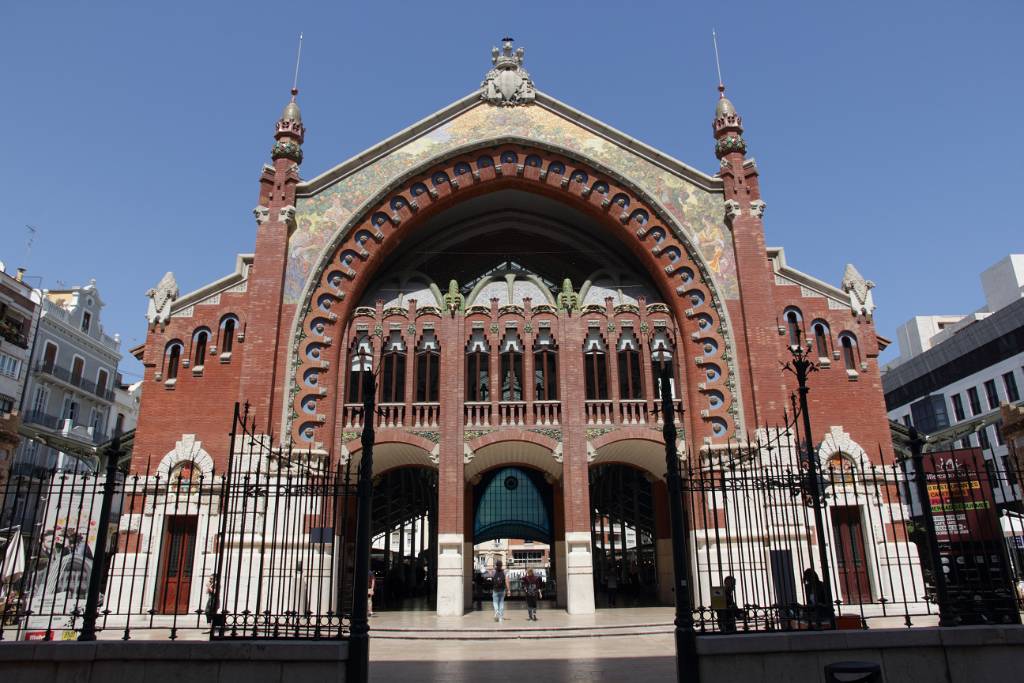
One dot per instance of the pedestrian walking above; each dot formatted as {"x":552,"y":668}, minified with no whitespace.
{"x":532,"y":588}
{"x":499,"y":591}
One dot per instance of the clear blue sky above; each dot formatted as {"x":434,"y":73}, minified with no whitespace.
{"x":886,"y":133}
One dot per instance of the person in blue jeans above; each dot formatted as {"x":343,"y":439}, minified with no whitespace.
{"x":499,"y":590}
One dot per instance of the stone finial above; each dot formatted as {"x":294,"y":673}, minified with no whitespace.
{"x":453,"y":299}
{"x":160,"y":299}
{"x":508,"y":84}
{"x":568,"y":299}
{"x":859,"y":289}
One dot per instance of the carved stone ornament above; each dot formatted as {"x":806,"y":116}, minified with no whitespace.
{"x":862,"y":302}
{"x":732,"y":209}
{"x":262,"y":214}
{"x":757,"y":208}
{"x":286,"y":215}
{"x":508,"y":84}
{"x":160,"y":299}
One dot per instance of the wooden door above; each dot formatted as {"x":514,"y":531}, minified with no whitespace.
{"x":851,"y":558}
{"x":176,"y":555}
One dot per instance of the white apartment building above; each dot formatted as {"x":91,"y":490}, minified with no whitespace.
{"x":69,"y":400}
{"x":19,"y":313}
{"x":954,"y":372}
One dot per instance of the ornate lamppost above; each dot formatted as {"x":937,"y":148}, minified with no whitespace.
{"x":801,"y":366}
{"x":359,"y":633}
{"x":687,"y":666}
{"x":99,"y":555}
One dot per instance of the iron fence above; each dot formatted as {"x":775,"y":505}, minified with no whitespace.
{"x":754,"y":546}
{"x":255,"y":552}
{"x":266,"y":548}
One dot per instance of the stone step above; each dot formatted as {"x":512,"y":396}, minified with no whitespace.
{"x":510,"y":632}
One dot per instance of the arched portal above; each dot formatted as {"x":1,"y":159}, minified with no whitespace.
{"x":404,"y":533}
{"x":630,"y":217}
{"x":624,"y":521}
{"x":514,"y":522}
{"x":481,"y":291}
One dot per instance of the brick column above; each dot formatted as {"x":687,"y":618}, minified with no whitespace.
{"x":451,"y":479}
{"x":579,"y":567}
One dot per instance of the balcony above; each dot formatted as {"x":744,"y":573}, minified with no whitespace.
{"x":64,"y":375}
{"x":416,"y":415}
{"x":12,"y":331}
{"x":65,"y":427}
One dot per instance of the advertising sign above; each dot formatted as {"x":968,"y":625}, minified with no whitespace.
{"x":969,"y":537}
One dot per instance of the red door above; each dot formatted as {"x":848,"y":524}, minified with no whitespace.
{"x":851,"y":559}
{"x":176,"y":556}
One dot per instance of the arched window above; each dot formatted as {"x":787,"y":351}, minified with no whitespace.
{"x":199,"y":341}
{"x":794,"y":322}
{"x":511,"y":367}
{"x":183,"y":477}
{"x":392,"y":381}
{"x":172,"y":359}
{"x":478,"y":360}
{"x":630,"y":386}
{"x":360,"y":368}
{"x":595,"y":366}
{"x":428,"y":363}
{"x":821,"y":338}
{"x":850,"y":352}
{"x":661,"y":356}
{"x":545,"y":366}
{"x":228,"y":325}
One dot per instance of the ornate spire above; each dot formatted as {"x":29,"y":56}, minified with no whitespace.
{"x":727,"y":126}
{"x":508,"y":84}
{"x":289,"y":132}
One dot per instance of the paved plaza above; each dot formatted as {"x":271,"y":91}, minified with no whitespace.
{"x":611,"y":645}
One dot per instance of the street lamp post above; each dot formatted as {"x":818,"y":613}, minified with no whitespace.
{"x":99,"y":555}
{"x":359,"y":635}
{"x":687,"y":666}
{"x":801,"y":366}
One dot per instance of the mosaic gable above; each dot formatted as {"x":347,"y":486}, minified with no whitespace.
{"x":698,"y":211}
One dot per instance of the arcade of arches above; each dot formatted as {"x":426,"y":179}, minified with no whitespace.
{"x":517,"y":367}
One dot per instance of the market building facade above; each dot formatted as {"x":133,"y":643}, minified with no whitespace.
{"x":516,"y":274}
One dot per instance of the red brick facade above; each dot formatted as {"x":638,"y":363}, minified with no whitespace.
{"x":293,"y":375}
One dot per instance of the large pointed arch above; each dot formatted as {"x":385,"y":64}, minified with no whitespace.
{"x":350,"y":260}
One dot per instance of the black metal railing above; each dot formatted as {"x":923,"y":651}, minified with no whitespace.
{"x":754,"y":544}
{"x":266,"y":547}
{"x":255,"y":552}
{"x":74,"y":379}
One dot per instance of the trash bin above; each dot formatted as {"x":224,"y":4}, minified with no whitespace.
{"x":853,"y":672}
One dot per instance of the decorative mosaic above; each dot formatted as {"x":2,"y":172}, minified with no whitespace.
{"x":698,"y":212}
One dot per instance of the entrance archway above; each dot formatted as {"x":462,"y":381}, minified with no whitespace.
{"x":404,"y":532}
{"x":623,"y":525}
{"x":514,"y":521}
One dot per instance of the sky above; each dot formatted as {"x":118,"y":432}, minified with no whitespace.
{"x":885,"y":133}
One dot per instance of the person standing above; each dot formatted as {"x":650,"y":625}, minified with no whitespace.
{"x":499,"y":590}
{"x":531,"y":586}
{"x":727,"y":614}
{"x":612,"y":586}
{"x":370,"y":586}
